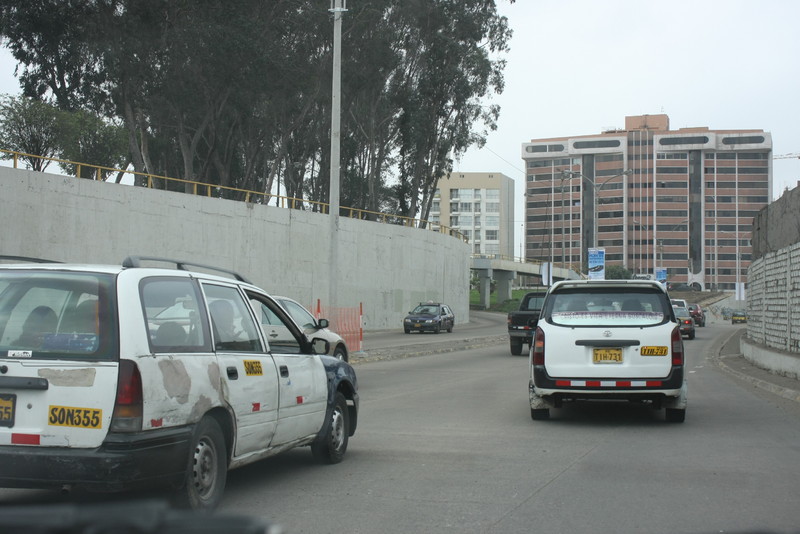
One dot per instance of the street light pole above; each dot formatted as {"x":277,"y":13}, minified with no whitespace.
{"x":595,"y":191}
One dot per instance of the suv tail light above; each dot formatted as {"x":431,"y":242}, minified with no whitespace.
{"x":127,"y":415}
{"x":538,"y":347}
{"x":677,"y":346}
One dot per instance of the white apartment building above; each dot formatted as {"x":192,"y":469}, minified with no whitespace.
{"x":481,"y":206}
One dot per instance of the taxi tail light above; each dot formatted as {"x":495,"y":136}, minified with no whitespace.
{"x":538,"y":347}
{"x":677,"y":346}
{"x":127,"y":415}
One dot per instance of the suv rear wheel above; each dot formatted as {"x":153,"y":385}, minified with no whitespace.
{"x":538,"y":414}
{"x":675,"y":415}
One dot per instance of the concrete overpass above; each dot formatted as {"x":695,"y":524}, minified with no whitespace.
{"x":504,"y":269}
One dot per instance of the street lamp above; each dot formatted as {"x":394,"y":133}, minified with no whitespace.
{"x":596,"y":190}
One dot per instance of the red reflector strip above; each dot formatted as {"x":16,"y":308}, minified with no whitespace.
{"x":609,"y":383}
{"x":24,"y":439}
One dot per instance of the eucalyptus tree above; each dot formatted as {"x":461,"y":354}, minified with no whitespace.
{"x":30,"y":127}
{"x":450,"y":69}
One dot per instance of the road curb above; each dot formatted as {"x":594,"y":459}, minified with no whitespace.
{"x":719,"y":359}
{"x":411,"y":351}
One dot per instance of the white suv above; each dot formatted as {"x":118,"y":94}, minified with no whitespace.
{"x":120,"y":377}
{"x":613,"y":339}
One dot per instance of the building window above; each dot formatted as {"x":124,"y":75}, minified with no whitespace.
{"x":603,"y":143}
{"x":491,"y":235}
{"x":544,"y":148}
{"x":435,"y":206}
{"x":690,"y":140}
{"x":454,"y":194}
{"x":492,"y":194}
{"x":492,"y":207}
{"x":745,"y":140}
{"x":492,"y":220}
{"x":465,"y":206}
{"x":674,"y":155}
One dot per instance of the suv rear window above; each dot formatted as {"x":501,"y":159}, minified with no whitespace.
{"x":57,"y":315}
{"x":607,"y":307}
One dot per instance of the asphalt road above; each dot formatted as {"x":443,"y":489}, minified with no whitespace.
{"x":445,"y":444}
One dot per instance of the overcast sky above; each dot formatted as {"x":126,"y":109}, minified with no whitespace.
{"x":578,"y":67}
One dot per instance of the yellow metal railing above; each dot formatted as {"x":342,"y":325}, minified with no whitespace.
{"x":202,"y":188}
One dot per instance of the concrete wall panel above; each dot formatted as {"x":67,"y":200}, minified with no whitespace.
{"x":386,"y":267}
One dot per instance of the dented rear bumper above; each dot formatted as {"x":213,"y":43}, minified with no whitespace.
{"x":122,"y":462}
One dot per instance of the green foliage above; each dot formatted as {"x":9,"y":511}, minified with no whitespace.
{"x":86,"y":137}
{"x":37,"y":128}
{"x":31,"y":127}
{"x":617,"y":272}
{"x":238,"y":94}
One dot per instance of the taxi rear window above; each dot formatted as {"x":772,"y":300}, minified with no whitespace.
{"x":57,"y":315}
{"x":607,"y":307}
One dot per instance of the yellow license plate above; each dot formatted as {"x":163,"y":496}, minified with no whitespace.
{"x":75,"y":417}
{"x":607,"y":355}
{"x":7,"y":404}
{"x":653,"y":351}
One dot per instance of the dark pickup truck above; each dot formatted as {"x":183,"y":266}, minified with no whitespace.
{"x":522,"y":323}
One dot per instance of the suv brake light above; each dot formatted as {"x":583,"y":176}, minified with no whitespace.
{"x":127,"y":415}
{"x":677,"y":346}
{"x":538,"y":347}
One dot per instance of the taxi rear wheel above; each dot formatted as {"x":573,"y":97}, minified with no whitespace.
{"x":207,"y":469}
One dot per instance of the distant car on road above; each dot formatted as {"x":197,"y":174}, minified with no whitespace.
{"x":522,"y":322}
{"x":429,"y":317}
{"x":697,"y":314}
{"x":738,"y":316}
{"x":686,"y":321}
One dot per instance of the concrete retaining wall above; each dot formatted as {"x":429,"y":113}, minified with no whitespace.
{"x":387,"y":268}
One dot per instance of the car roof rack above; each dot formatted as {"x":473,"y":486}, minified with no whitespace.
{"x":26,"y":259}
{"x":136,"y":261}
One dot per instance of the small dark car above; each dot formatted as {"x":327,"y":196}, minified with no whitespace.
{"x":685,"y":321}
{"x":697,"y":314}
{"x":429,"y":317}
{"x":738,"y":316}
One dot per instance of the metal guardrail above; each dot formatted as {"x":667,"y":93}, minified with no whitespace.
{"x":193,"y":187}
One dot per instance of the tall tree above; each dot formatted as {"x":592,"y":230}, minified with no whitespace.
{"x":31,"y":127}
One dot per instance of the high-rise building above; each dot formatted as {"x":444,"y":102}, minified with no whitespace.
{"x":479,"y":205}
{"x":679,"y":202}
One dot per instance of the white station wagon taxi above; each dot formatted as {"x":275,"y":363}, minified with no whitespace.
{"x":121,"y":377}
{"x":611,"y":339}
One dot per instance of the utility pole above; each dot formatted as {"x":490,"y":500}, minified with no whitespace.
{"x":337,"y":8}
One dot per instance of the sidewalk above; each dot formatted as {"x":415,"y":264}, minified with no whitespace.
{"x":730,"y":359}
